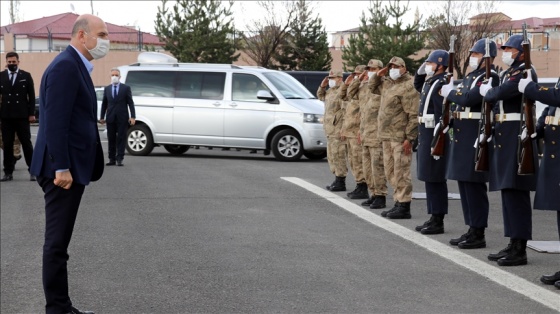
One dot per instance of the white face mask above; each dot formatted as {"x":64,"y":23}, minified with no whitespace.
{"x":506,"y":58}
{"x":394,"y":73}
{"x":101,"y":49}
{"x":473,"y":63}
{"x":429,"y":70}
{"x":332,"y":83}
{"x":114,"y":79}
{"x":370,"y":74}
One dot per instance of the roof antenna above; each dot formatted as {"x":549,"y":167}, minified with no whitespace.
{"x":72,"y":8}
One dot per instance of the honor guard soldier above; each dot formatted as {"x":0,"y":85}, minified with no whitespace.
{"x":547,"y":196}
{"x":515,"y":189}
{"x":466,"y":114}
{"x":397,"y":128}
{"x":351,"y":130}
{"x":336,"y":150}
{"x":428,"y":80}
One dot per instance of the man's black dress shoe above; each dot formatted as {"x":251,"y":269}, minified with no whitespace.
{"x":119,"y":163}
{"x":76,"y":311}
{"x":7,"y":177}
{"x":110,"y":163}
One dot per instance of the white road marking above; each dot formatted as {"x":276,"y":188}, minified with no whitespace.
{"x":497,"y":275}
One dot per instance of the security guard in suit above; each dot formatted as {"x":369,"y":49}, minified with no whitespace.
{"x":547,"y":196}
{"x":16,"y":112}
{"x":428,"y":80}
{"x":515,"y":189}
{"x":466,"y":114}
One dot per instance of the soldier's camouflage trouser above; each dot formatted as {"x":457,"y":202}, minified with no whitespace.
{"x":336,"y":156}
{"x":374,"y":172}
{"x":355,"y":156}
{"x":17,"y":146}
{"x":397,"y":171}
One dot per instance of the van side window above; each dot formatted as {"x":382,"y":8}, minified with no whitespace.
{"x":245,"y":87}
{"x":201,"y":85}
{"x":151,"y":83}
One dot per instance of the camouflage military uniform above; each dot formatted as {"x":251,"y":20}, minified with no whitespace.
{"x":397,"y":122}
{"x":351,"y":128}
{"x":336,"y":149}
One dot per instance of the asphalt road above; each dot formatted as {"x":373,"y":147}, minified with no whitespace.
{"x":215,"y":231}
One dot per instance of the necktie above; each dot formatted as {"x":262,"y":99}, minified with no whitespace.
{"x":12,"y":77}
{"x":114,"y":91}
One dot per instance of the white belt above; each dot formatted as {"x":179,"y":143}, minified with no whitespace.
{"x":552,"y":120}
{"x":429,"y":118}
{"x":508,"y":117}
{"x":466,"y":115}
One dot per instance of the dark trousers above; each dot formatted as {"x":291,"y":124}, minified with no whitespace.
{"x":558,"y":222}
{"x":61,"y":209}
{"x":474,"y":201}
{"x":11,"y":127}
{"x":116,"y":134}
{"x":436,"y":197}
{"x":516,"y":209}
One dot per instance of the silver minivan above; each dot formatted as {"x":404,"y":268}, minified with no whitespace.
{"x":179,"y":105}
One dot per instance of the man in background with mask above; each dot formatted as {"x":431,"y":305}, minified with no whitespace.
{"x":515,"y":189}
{"x":68,"y":153}
{"x":17,"y":111}
{"x":397,"y":128}
{"x":466,"y":114}
{"x":117,"y":101}
{"x":332,"y":123}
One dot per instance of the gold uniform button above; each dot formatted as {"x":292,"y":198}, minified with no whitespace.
{"x":553,"y":128}
{"x":458,"y":130}
{"x":552,"y":156}
{"x":553,"y":142}
{"x":500,"y":146}
{"x":500,"y":134}
{"x":456,"y":141}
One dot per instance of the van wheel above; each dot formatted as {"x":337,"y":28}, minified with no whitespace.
{"x":286,"y":145}
{"x":139,"y":141}
{"x":315,"y":155}
{"x":176,"y":149}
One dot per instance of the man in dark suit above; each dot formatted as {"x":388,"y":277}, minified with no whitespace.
{"x":117,"y":101}
{"x":68,"y":153}
{"x":16,"y":112}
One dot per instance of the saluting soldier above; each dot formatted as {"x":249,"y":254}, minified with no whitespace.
{"x":515,"y":189}
{"x":351,"y":130}
{"x":466,"y":114}
{"x":336,"y":150}
{"x":547,"y":196}
{"x":428,"y":80}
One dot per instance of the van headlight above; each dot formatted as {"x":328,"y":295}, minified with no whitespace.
{"x":312,"y":118}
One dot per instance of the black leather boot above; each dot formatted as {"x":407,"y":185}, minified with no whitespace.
{"x":379,"y":202}
{"x":368,"y":201}
{"x":462,"y":238}
{"x":328,"y":187}
{"x":361,"y":192}
{"x":496,"y":256}
{"x":436,"y":226}
{"x":550,"y":280}
{"x":517,"y":256}
{"x":339,"y":185}
{"x":402,"y":212}
{"x":475,"y":240}
{"x":425,"y":224}
{"x":385,"y":212}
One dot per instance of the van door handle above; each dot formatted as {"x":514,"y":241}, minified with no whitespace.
{"x":217,"y":104}
{"x":233,"y":105}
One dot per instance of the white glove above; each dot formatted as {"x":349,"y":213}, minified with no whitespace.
{"x":524,"y":134}
{"x":447,"y":88}
{"x":436,"y":157}
{"x":446,"y":129}
{"x":484,"y":88}
{"x":436,"y":129}
{"x":422,"y":69}
{"x":524,"y":82}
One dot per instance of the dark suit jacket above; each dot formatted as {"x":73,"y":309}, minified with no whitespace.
{"x":117,"y":108}
{"x":18,"y":101}
{"x":68,"y":137}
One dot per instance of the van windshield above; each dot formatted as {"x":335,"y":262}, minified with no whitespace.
{"x":288,"y":86}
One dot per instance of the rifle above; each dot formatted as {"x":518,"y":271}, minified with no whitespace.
{"x":438,"y":142}
{"x":485,"y":123}
{"x":525,"y":158}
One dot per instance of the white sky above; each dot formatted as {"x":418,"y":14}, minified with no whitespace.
{"x":336,"y":15}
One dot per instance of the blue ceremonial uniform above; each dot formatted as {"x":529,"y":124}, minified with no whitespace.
{"x":466,"y":113}
{"x":515,"y":189}
{"x":429,"y":170}
{"x":547,"y":196}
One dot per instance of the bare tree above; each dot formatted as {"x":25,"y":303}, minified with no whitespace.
{"x":14,"y":11}
{"x":263,"y":38}
{"x":469,"y":21}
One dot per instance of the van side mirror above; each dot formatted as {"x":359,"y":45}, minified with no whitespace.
{"x":266,"y":95}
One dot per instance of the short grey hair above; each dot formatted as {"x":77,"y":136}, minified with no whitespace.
{"x":116,"y":69}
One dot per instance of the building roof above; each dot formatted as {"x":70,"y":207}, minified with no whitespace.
{"x":489,"y":15}
{"x":60,"y":26}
